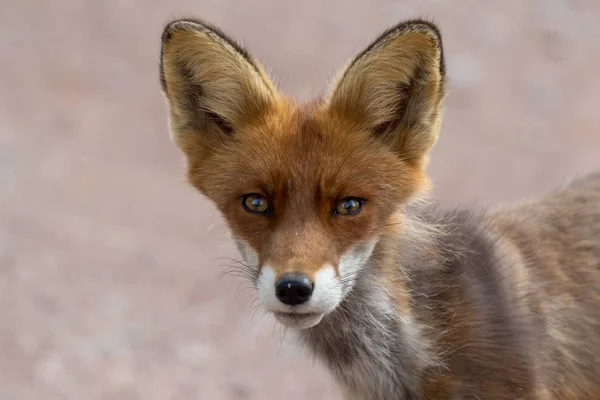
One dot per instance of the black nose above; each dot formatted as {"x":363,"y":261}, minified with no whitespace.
{"x":293,"y":289}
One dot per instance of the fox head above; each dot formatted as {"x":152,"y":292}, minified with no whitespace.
{"x":307,"y":190}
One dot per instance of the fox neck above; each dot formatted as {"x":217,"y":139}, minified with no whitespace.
{"x":372,"y":342}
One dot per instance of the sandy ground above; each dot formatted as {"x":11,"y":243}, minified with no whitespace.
{"x":108,"y":261}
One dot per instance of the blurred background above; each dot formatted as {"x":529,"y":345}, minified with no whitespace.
{"x":109,"y":261}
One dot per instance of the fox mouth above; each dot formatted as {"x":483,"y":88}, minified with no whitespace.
{"x":298,"y":320}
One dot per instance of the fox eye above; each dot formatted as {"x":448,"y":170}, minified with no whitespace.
{"x":255,"y":203}
{"x":349,"y":206}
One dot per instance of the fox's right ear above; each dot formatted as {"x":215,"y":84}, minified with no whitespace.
{"x":212,"y":85}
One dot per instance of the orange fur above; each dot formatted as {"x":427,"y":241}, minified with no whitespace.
{"x":333,"y":135}
{"x":449,"y":306}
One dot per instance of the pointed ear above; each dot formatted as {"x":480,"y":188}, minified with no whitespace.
{"x":212,"y":85}
{"x":394,"y":88}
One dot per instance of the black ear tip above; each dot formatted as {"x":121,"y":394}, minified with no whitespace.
{"x":176,"y":25}
{"x":424,"y":25}
{"x":195,"y":24}
{"x":431,"y":28}
{"x":167,"y":32}
{"x":182,"y":24}
{"x":427,"y":26}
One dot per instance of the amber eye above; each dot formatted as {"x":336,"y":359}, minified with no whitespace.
{"x":255,"y":203}
{"x":349,"y":206}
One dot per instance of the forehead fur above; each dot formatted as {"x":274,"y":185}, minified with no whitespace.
{"x":302,"y":151}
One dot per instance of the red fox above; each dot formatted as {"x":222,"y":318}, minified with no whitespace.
{"x":399,"y":298}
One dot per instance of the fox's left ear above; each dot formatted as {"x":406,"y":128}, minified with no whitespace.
{"x":394,"y":88}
